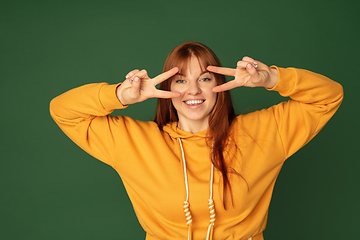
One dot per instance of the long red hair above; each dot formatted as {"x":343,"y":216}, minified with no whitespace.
{"x":222,"y":114}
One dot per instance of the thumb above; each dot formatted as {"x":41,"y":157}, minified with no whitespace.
{"x":135,"y":88}
{"x":251,"y":69}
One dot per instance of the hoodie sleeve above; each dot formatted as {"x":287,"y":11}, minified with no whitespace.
{"x":83,"y":115}
{"x":314,"y":100}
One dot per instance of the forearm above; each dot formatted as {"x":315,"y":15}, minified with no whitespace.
{"x":85,"y":102}
{"x":308,"y":87}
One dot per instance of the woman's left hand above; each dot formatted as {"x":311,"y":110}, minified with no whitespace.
{"x":248,"y":73}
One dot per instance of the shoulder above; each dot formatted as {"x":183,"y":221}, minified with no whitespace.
{"x":259,"y":124}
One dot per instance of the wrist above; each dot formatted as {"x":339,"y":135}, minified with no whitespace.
{"x":119,"y":93}
{"x":273,"y":78}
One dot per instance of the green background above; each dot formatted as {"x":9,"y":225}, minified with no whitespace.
{"x":51,"y":189}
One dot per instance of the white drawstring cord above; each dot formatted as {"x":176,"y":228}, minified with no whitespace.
{"x":187,"y":212}
{"x":187,"y":204}
{"x":211,"y":206}
{"x":185,"y":173}
{"x":211,"y":201}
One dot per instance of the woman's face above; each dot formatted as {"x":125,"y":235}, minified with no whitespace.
{"x":197,"y":98}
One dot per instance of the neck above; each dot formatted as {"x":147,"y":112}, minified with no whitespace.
{"x":193,"y":126}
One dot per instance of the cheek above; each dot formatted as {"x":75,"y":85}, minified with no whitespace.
{"x":214,"y":99}
{"x":176,"y":101}
{"x":174,"y":88}
{"x":210,"y":94}
{"x":177,"y":88}
{"x":214,"y":94}
{"x":171,"y":86}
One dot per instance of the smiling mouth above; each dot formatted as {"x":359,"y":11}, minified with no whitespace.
{"x":194,"y":102}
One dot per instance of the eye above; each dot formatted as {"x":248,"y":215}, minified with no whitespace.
{"x":205,"y":79}
{"x":180,"y":81}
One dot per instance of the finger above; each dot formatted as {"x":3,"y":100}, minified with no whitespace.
{"x":130,"y":74}
{"x":259,"y":65}
{"x":254,"y":62}
{"x":166,"y":75}
{"x":141,"y":74}
{"x":166,"y":94}
{"x":225,"y":86}
{"x":253,"y":74}
{"x":251,"y":69}
{"x":248,"y":59}
{"x":241,"y":64}
{"x":135,"y":88}
{"x":222,"y":70}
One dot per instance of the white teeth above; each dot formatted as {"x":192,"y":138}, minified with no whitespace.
{"x":190,"y":102}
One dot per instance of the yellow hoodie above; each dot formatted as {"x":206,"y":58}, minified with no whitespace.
{"x":149,"y":160}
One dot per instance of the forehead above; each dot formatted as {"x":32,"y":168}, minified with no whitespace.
{"x":191,"y":65}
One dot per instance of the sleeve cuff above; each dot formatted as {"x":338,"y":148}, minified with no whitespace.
{"x":108,"y":99}
{"x":286,"y":82}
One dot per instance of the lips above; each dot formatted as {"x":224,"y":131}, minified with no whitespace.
{"x":194,"y":102}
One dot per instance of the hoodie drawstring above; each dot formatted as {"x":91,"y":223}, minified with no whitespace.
{"x":186,"y":202}
{"x":187,"y":212}
{"x":211,"y":206}
{"x":188,"y":217}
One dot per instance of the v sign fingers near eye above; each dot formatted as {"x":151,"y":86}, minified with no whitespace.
{"x":166,"y":75}
{"x":226,"y":86}
{"x":166,"y":94}
{"x":222,"y":70}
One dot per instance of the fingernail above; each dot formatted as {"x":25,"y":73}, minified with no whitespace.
{"x":249,"y":65}
{"x":255,"y":64}
{"x":131,"y":80}
{"x":136,"y":79}
{"x":127,"y":76}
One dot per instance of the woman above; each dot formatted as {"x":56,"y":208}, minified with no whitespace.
{"x":197,"y":158}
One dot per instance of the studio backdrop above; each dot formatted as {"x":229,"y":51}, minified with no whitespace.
{"x":51,"y":189}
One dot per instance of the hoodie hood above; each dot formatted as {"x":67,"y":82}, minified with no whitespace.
{"x":175,"y":132}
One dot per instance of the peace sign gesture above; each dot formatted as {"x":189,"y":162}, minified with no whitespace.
{"x":138,"y":87}
{"x":248,"y":73}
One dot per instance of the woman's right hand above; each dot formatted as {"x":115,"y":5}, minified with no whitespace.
{"x":138,"y":87}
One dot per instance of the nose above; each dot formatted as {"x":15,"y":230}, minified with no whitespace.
{"x":194,"y":88}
